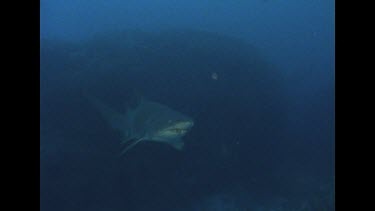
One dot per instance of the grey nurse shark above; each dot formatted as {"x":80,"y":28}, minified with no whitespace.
{"x":148,"y":121}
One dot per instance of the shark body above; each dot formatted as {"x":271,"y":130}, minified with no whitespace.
{"x":148,"y":121}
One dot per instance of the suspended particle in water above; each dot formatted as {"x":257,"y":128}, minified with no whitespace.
{"x":214,"y":76}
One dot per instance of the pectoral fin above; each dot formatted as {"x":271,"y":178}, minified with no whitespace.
{"x":127,"y":148}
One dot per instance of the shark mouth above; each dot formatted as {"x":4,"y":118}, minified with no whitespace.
{"x":177,"y":129}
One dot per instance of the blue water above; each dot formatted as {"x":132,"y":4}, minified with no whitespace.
{"x":256,"y":76}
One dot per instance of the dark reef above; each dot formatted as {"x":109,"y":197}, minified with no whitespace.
{"x":238,"y":141}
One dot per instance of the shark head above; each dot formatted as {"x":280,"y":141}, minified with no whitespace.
{"x":157,"y":122}
{"x":173,"y":129}
{"x":152,"y":121}
{"x":148,"y":121}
